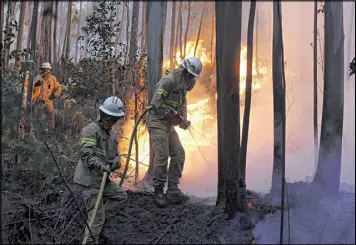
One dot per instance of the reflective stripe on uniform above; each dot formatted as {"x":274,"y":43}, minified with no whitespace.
{"x":100,"y":152}
{"x":89,"y":141}
{"x":171,"y":103}
{"x":162,"y":91}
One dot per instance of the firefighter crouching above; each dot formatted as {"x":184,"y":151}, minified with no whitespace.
{"x":46,"y":89}
{"x":169,"y":109}
{"x":98,"y":154}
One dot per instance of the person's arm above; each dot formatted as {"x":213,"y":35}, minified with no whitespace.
{"x":184,"y":108}
{"x":88,"y":142}
{"x":37,"y":81}
{"x":159,"y":98}
{"x":57,"y":87}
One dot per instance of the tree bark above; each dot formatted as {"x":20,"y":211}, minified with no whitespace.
{"x":143,"y":37}
{"x":20,"y":36}
{"x":155,"y":22}
{"x":78,"y":33}
{"x":199,"y":30}
{"x":2,"y":17}
{"x":329,"y":160}
{"x":229,"y":94}
{"x":315,"y":84}
{"x":220,"y":17}
{"x":278,"y":105}
{"x":46,"y":34}
{"x":172,"y":43}
{"x":68,"y":29}
{"x":133,"y":33}
{"x":186,"y":31}
{"x":246,"y":118}
{"x":55,"y":28}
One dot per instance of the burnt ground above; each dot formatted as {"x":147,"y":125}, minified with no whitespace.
{"x":40,"y":210}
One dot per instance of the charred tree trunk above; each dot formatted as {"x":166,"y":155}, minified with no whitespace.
{"x":155,"y":22}
{"x":2,"y":13}
{"x":133,"y":33}
{"x":246,"y":118}
{"x":68,"y":29}
{"x":219,"y":37}
{"x":172,"y":51}
{"x":329,"y":161}
{"x":199,"y":30}
{"x":228,"y":92}
{"x":180,"y":27}
{"x":315,"y":87}
{"x":20,"y":36}
{"x":143,"y":27}
{"x":186,"y":32}
{"x":78,"y":33}
{"x":278,"y":105}
{"x":127,"y":28}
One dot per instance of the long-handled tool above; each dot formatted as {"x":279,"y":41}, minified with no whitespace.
{"x":100,"y":195}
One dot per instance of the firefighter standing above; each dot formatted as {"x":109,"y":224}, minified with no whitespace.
{"x":169,"y":109}
{"x":98,"y":154}
{"x":46,"y":88}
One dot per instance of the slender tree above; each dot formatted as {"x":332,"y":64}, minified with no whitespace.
{"x":155,"y":22}
{"x":172,"y":51}
{"x":186,"y":30}
{"x":20,"y":35}
{"x":315,"y":82}
{"x":134,"y":32}
{"x":46,"y":33}
{"x":220,"y":16}
{"x":78,"y":32}
{"x":329,"y":160}
{"x":246,"y":118}
{"x":278,"y":105}
{"x":199,"y":30}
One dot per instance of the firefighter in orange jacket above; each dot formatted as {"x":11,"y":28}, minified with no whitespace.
{"x":46,"y":88}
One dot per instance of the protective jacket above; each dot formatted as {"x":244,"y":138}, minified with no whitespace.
{"x":97,"y":147}
{"x":170,"y":93}
{"x":44,"y":90}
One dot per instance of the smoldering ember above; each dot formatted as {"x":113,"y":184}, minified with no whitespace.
{"x":169,"y":122}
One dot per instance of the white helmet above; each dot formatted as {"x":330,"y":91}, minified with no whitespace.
{"x":193,"y":65}
{"x":113,"y":106}
{"x":46,"y":65}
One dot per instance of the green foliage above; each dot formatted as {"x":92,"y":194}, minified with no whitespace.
{"x":101,"y":29}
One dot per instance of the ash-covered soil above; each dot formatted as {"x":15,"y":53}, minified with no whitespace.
{"x":40,"y":210}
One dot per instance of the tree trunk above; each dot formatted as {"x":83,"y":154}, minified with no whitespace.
{"x":246,"y":118}
{"x":278,"y":105}
{"x":180,"y":27}
{"x":20,"y":35}
{"x":220,"y":17}
{"x":315,"y":78}
{"x":133,"y":33}
{"x":229,"y":94}
{"x":199,"y":30}
{"x":212,"y":36}
{"x":127,"y":28}
{"x":329,"y":161}
{"x":28,"y":122}
{"x":7,"y":39}
{"x":78,"y":33}
{"x":172,"y":51}
{"x":38,"y":38}
{"x":155,"y":22}
{"x":143,"y":37}
{"x":46,"y":34}
{"x":68,"y":30}
{"x":2,"y":13}
{"x":186,"y":32}
{"x":55,"y":28}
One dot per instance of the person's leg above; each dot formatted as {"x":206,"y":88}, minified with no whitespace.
{"x":160,"y":144}
{"x":176,"y":166}
{"x":115,"y":198}
{"x":50,"y":112}
{"x":90,"y":197}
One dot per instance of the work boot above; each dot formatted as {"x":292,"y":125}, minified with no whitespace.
{"x":175,"y":195}
{"x":160,"y":199}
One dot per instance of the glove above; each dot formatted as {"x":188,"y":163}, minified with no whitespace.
{"x":185,"y":124}
{"x":116,"y":164}
{"x":177,"y":120}
{"x":169,"y":113}
{"x":105,"y":168}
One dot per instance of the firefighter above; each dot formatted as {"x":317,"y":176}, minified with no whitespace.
{"x":46,"y":89}
{"x":98,"y":154}
{"x":169,"y":109}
